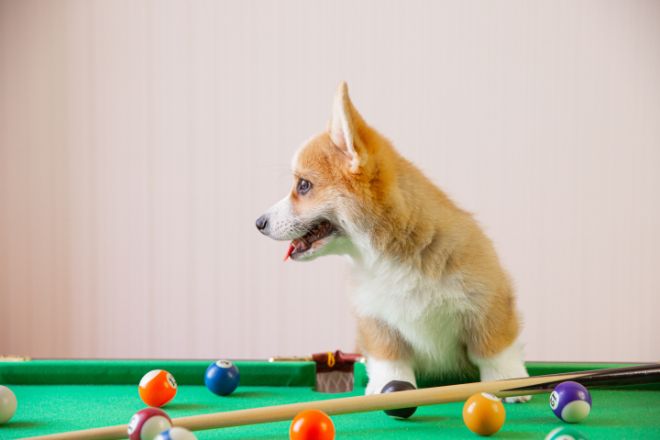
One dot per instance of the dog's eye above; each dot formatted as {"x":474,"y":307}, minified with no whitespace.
{"x":303,"y":186}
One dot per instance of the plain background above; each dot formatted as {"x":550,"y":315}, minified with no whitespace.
{"x":140,"y":140}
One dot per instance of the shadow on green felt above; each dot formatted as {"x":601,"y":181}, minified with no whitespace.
{"x":421,"y":419}
{"x":516,"y":434}
{"x":250,"y":395}
{"x":22,"y":425}
{"x":187,"y":406}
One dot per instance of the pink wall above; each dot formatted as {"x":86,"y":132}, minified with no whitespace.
{"x":140,"y":140}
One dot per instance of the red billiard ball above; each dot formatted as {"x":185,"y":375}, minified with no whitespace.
{"x":147,"y":423}
{"x":312,"y":424}
{"x":157,"y":387}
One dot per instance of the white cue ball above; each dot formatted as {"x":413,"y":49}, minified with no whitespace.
{"x":8,"y":404}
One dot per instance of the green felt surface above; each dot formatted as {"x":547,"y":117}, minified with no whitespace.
{"x":47,"y":404}
{"x":126,"y":372}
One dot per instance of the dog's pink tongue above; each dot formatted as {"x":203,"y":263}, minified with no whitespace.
{"x":290,"y":251}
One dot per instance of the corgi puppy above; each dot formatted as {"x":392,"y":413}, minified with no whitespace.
{"x":431,"y":295}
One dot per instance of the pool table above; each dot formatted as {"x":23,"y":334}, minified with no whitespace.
{"x":63,"y":395}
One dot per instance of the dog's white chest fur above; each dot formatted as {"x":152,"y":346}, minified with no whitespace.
{"x":428,"y":313}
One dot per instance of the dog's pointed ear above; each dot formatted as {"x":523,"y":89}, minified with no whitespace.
{"x":346,"y":128}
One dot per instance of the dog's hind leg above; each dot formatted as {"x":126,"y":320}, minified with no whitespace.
{"x":506,"y":364}
{"x":492,"y":341}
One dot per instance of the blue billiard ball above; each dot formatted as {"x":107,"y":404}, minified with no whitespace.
{"x":222,"y":377}
{"x":570,"y":401}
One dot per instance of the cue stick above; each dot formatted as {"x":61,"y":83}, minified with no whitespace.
{"x":643,"y":374}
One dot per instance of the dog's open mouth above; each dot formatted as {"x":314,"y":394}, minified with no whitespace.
{"x":313,"y":238}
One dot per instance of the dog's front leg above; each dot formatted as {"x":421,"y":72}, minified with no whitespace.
{"x":389,"y":356}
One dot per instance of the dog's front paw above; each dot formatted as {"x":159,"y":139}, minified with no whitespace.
{"x":381,"y":372}
{"x":517,"y":399}
{"x":375,"y":387}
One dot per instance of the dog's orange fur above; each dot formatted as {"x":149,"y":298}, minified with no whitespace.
{"x":431,"y":294}
{"x":415,"y":223}
{"x":380,"y":340}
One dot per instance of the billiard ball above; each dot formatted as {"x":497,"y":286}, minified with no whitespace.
{"x":8,"y":404}
{"x":176,"y":433}
{"x":312,"y":424}
{"x":147,"y":423}
{"x":394,"y":386}
{"x":484,"y":414}
{"x":157,"y":387}
{"x":565,"y":433}
{"x":570,"y":401}
{"x":222,"y":377}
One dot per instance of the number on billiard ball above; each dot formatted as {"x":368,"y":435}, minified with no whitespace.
{"x":570,"y":401}
{"x":147,"y":423}
{"x":222,"y":377}
{"x":394,"y":386}
{"x":8,"y":404}
{"x":312,"y":424}
{"x":176,"y":433}
{"x":483,"y":414}
{"x":157,"y":387}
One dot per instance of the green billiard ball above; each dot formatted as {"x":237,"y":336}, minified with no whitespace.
{"x":565,"y":433}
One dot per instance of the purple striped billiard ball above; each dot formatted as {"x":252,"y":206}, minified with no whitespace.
{"x":570,"y":401}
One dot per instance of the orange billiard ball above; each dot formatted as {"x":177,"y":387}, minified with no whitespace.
{"x":484,"y":414}
{"x":157,"y":387}
{"x":312,"y":424}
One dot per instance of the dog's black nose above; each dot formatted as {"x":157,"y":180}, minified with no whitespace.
{"x":262,"y":222}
